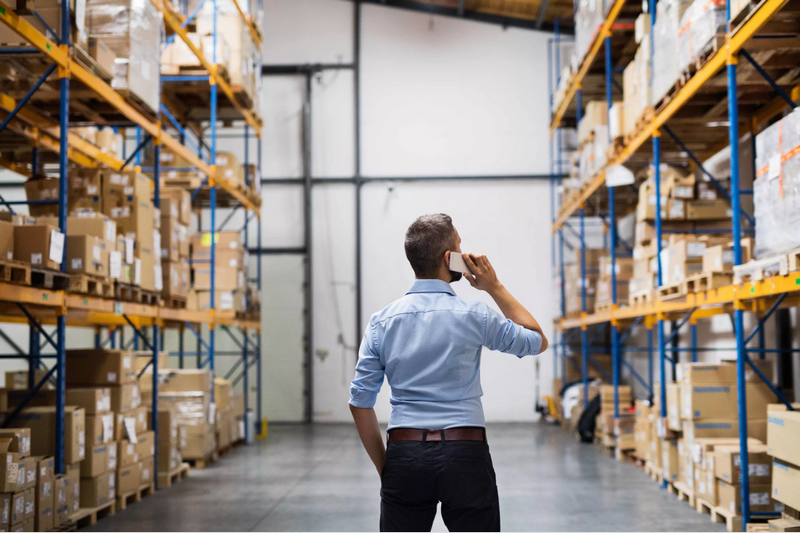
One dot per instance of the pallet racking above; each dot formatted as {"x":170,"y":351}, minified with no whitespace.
{"x":762,"y":27}
{"x":38,"y":307}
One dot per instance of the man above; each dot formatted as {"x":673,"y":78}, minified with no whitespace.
{"x":428,"y":345}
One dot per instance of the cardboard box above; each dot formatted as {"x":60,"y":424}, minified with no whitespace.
{"x":224,"y":301}
{"x":6,"y":241}
{"x":705,"y":486}
{"x":96,"y":224}
{"x":125,"y":397}
{"x":87,"y":254}
{"x":786,"y":484}
{"x":150,"y":275}
{"x":147,"y":471}
{"x":146,"y":445}
{"x":722,"y":428}
{"x":20,"y":440}
{"x":30,"y":504}
{"x":730,"y":497}
{"x":9,"y":467}
{"x":721,"y":400}
{"x":175,"y":278}
{"x":24,"y":526}
{"x":138,"y":417}
{"x":708,"y":209}
{"x":100,"y":428}
{"x":185,"y":380}
{"x":134,"y":218}
{"x":17,"y":507}
{"x":231,"y":241}
{"x":673,"y":406}
{"x":727,"y":464}
{"x":670,"y":459}
{"x":93,"y":400}
{"x":102,"y":54}
{"x":61,"y":500}
{"x":229,"y":168}
{"x":18,"y":379}
{"x":99,"y":458}
{"x":702,"y":373}
{"x":26,"y":475}
{"x":100,"y":367}
{"x":126,"y":453}
{"x":17,"y":219}
{"x":41,"y":246}
{"x":171,"y":231}
{"x":200,"y":441}
{"x":718,"y":258}
{"x":74,"y":488}
{"x":784,"y":524}
{"x":41,"y":188}
{"x":42,"y":426}
{"x":127,"y":183}
{"x":176,"y":203}
{"x":128,"y":478}
{"x":226,"y":278}
{"x":5,"y":511}
{"x":783,"y":436}
{"x":98,"y":490}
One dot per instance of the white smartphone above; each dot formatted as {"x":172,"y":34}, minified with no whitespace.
{"x":457,"y":263}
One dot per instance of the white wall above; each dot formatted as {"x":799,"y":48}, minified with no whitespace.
{"x":439,"y":97}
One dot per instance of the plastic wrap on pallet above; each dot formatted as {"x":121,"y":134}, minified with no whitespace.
{"x":588,"y":19}
{"x":699,"y":26}
{"x":776,"y":191}
{"x":132,"y":29}
{"x":666,"y":70}
{"x":190,"y":408}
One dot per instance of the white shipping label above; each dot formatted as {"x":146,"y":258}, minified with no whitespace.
{"x":115,"y":264}
{"x":130,"y":448}
{"x":96,"y":253}
{"x":759,"y":498}
{"x":145,"y":474}
{"x":130,"y":429}
{"x":137,"y":271}
{"x":46,"y":488}
{"x":695,"y":249}
{"x":111,"y":377}
{"x":127,"y":190}
{"x":10,"y":255}
{"x":119,"y":179}
{"x":21,"y":475}
{"x":126,"y":362}
{"x":226,"y":300}
{"x":159,"y":281}
{"x":108,"y":428}
{"x":19,"y":505}
{"x":91,"y":189}
{"x":120,"y":212}
{"x":233,"y":263}
{"x":56,"y":246}
{"x":31,"y":476}
{"x":76,"y":263}
{"x":156,"y":240}
{"x":234,"y":245}
{"x":36,"y":259}
{"x":111,"y":231}
{"x":129,"y":250}
{"x":173,"y":210}
{"x":759,"y":470}
{"x":774,"y":166}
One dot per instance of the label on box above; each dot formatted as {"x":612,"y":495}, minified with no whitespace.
{"x":137,"y":271}
{"x":76,"y":263}
{"x":758,"y":470}
{"x":159,"y":281}
{"x":115,"y":264}
{"x":695,"y":249}
{"x":21,"y":475}
{"x":129,"y":250}
{"x":774,"y":166}
{"x":46,"y":488}
{"x":108,"y":427}
{"x":29,"y":507}
{"x":127,"y":190}
{"x":112,"y":457}
{"x":130,"y":429}
{"x":233,"y":245}
{"x":91,"y":189}
{"x":126,"y":362}
{"x":96,"y":253}
{"x":119,"y":179}
{"x":233,"y":263}
{"x":56,"y":246}
{"x":759,"y":498}
{"x":120,"y":212}
{"x":111,"y":377}
{"x":31,"y":476}
{"x":130,"y":448}
{"x":226,"y":300}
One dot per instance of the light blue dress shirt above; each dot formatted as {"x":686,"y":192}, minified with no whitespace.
{"x":428,"y":345}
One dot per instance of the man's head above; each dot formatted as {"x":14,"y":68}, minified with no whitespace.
{"x":429,"y":241}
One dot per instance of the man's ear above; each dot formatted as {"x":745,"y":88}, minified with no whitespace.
{"x":447,"y":259}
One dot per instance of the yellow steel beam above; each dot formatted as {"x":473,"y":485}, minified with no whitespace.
{"x":174,"y":21}
{"x":575,"y":82}
{"x":251,"y":27}
{"x":30,"y":295}
{"x":736,"y":41}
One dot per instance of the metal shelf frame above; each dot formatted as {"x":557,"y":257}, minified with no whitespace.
{"x":37,"y":307}
{"x":762,"y":297}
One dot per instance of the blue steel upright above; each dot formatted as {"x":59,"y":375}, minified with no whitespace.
{"x":584,"y":342}
{"x":213,"y":192}
{"x":660,"y":277}
{"x":154,"y":415}
{"x":261,"y":429}
{"x":245,"y":345}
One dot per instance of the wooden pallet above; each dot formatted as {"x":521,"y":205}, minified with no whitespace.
{"x":703,"y":506}
{"x":242,"y":97}
{"x":88,"y":516}
{"x":793,"y":260}
{"x":15,"y":272}
{"x":194,"y":70}
{"x":49,"y":279}
{"x":676,"y":291}
{"x":706,"y":281}
{"x":126,"y":292}
{"x":134,"y":100}
{"x":167,"y":479}
{"x":757,"y":527}
{"x":134,"y":496}
{"x":175,"y":302}
{"x":83,"y":58}
{"x":91,"y":285}
{"x":66,"y":526}
{"x":756,"y":270}
{"x":151,"y":297}
{"x":204,"y":462}
{"x":732,"y":521}
{"x":685,"y":494}
{"x":641,"y":298}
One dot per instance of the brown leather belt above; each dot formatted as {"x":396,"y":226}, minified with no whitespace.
{"x":437,"y":435}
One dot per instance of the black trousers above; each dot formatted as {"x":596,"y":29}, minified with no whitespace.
{"x":419,"y":475}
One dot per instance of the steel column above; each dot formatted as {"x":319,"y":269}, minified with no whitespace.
{"x":584,"y":343}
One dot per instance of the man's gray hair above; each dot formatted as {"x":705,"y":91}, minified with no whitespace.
{"x":427,"y":239}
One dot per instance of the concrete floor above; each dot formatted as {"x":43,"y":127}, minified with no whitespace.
{"x":310,"y":478}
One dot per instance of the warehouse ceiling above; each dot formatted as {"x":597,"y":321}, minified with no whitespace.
{"x":533,"y":14}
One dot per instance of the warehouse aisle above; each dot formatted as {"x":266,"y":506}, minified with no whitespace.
{"x":318,"y":478}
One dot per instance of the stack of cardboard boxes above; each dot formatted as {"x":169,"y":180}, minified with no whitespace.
{"x":624,"y":273}
{"x":187,"y":395}
{"x":176,"y":210}
{"x":226,"y":426}
{"x":617,"y":432}
{"x":229,"y":272}
{"x":572,"y":281}
{"x":18,"y":481}
{"x":783,"y":435}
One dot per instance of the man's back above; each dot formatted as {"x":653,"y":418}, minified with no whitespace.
{"x":429,"y":344}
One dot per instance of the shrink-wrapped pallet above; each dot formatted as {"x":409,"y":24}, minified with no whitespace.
{"x":776,"y":191}
{"x":665,"y":41}
{"x":699,"y":27}
{"x":132,"y":29}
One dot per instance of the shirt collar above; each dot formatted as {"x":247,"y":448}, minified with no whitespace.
{"x":431,"y":285}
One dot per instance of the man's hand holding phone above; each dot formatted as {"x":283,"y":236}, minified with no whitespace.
{"x":481,"y":275}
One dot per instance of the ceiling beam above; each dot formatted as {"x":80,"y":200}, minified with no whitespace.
{"x":499,"y":20}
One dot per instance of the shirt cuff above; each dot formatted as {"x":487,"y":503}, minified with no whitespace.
{"x":362,"y":398}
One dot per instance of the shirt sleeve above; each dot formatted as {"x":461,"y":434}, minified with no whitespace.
{"x":504,"y":335}
{"x":369,"y":374}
